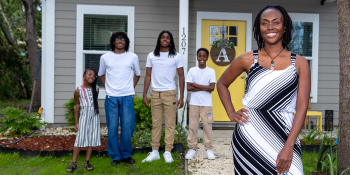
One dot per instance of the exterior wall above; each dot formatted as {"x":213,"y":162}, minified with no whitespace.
{"x":328,"y":65}
{"x":151,"y":17}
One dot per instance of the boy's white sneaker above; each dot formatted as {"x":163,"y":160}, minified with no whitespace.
{"x":167,"y":156}
{"x":151,"y":156}
{"x":191,"y":154}
{"x":209,"y":154}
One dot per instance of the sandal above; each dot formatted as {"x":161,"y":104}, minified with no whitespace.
{"x":71,"y":167}
{"x":88,"y":166}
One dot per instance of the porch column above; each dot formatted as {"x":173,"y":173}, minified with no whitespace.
{"x":183,"y":50}
{"x":48,"y":61}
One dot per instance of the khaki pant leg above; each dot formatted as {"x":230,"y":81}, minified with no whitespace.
{"x":157,"y":118}
{"x":169,"y":102}
{"x":193,"y":127}
{"x":206,"y":113}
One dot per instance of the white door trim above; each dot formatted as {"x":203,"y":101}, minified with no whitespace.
{"x":224,"y":16}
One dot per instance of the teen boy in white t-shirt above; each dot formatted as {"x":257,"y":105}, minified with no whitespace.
{"x":119,"y":73}
{"x":162,"y":65}
{"x":201,"y":81}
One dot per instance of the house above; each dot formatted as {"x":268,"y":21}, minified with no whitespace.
{"x":76,"y":33}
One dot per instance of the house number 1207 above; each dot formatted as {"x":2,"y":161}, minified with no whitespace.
{"x":183,"y":43}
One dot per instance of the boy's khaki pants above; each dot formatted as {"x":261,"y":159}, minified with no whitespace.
{"x":206,"y":114}
{"x":163,"y":102}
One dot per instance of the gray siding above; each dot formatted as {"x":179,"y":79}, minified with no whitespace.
{"x":328,"y":69}
{"x":151,"y":17}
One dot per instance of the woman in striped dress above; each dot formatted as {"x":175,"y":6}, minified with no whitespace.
{"x":88,"y":124}
{"x":265,"y":140}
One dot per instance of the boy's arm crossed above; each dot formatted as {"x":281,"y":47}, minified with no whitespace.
{"x":197,"y":87}
{"x":208,"y":88}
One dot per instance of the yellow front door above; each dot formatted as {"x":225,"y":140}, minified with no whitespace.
{"x":236,"y":32}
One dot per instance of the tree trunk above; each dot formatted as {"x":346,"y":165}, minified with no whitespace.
{"x":32,"y":47}
{"x":344,"y":84}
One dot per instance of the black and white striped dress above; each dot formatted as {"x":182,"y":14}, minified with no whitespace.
{"x":270,"y":97}
{"x":89,"y":122}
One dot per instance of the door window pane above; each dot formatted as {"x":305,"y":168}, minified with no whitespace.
{"x":233,"y":30}
{"x":213,"y":30}
{"x":99,"y":28}
{"x":302,"y":34}
{"x":212,"y":39}
{"x":92,"y":61}
{"x":233,"y":40}
{"x":225,"y":30}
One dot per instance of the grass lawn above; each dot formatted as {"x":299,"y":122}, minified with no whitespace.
{"x":14,"y":164}
{"x":309,"y":161}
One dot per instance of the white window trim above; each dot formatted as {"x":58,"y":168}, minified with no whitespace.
{"x":224,"y":16}
{"x":315,"y":19}
{"x":48,"y":61}
{"x":99,"y":10}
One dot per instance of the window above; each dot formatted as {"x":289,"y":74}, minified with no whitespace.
{"x":95,"y":24}
{"x":232,"y":33}
{"x":304,"y":42}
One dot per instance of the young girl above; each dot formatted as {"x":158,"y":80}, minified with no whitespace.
{"x":88,"y":125}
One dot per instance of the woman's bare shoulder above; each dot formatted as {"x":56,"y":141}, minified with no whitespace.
{"x":248,"y":56}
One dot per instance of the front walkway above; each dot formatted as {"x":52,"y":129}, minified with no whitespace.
{"x":223,"y":164}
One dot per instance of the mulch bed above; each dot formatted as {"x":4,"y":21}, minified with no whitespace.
{"x":51,"y":143}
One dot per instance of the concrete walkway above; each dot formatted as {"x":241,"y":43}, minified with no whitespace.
{"x":223,"y":163}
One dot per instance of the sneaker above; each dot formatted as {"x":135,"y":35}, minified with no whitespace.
{"x":209,"y":154}
{"x":151,"y":156}
{"x":167,"y":156}
{"x":191,"y":154}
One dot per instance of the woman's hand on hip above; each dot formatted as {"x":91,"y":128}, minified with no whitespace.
{"x":284,"y":160}
{"x":239,"y":116}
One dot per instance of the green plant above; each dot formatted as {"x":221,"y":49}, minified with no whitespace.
{"x":143,"y":115}
{"x":200,"y":140}
{"x":18,"y":123}
{"x":229,"y":45}
{"x":142,"y":138}
{"x":181,"y":135}
{"x":69,"y":109}
{"x":309,"y":139}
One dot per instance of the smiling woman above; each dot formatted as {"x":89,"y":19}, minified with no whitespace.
{"x":278,"y":82}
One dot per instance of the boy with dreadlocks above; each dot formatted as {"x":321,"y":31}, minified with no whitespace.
{"x":161,"y":65}
{"x":117,"y":69}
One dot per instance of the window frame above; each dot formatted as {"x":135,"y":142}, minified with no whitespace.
{"x":315,"y":19}
{"x":99,"y":10}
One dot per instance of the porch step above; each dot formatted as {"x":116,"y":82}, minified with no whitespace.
{"x":221,"y":125}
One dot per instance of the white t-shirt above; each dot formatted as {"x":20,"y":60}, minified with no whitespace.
{"x":163,"y":70}
{"x":202,"y":77}
{"x":118,"y":69}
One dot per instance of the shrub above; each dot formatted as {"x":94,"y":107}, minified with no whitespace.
{"x":18,"y":123}
{"x":142,"y":138}
{"x":69,"y":107}
{"x":143,"y":115}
